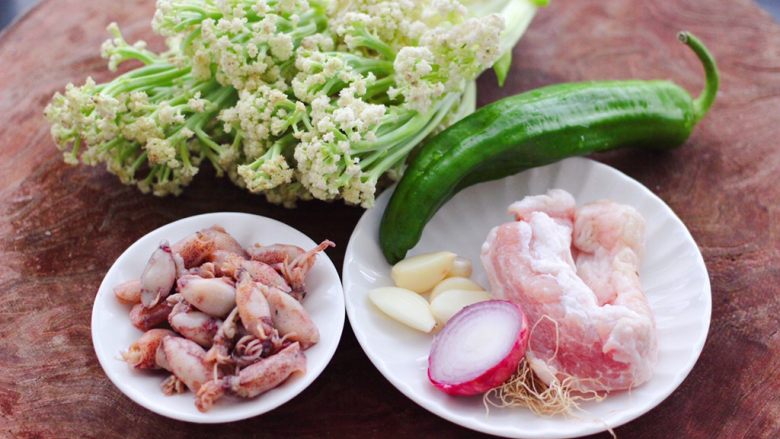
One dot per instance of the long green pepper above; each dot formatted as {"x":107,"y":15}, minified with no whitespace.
{"x":536,"y":128}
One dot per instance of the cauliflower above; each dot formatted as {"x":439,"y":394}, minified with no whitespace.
{"x":292,"y":99}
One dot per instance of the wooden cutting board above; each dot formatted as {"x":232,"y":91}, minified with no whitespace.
{"x":62,"y":227}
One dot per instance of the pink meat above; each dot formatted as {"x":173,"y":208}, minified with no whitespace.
{"x":575,"y":273}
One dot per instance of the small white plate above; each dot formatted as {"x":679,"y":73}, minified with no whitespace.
{"x":672,"y":273}
{"x":113,"y":333}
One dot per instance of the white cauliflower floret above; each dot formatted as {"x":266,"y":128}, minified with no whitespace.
{"x":270,"y":173}
{"x":260,"y":117}
{"x":412,"y":66}
{"x":197,"y":104}
{"x":168,"y":115}
{"x":161,"y":152}
{"x":288,"y":194}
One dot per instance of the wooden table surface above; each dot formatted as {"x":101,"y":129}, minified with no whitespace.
{"x":62,"y":227}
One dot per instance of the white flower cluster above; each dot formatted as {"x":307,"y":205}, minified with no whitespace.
{"x":263,"y":117}
{"x":248,"y":41}
{"x":446,"y":58}
{"x":438,"y":47}
{"x":324,"y":155}
{"x":112,"y":47}
{"x":293,"y":99}
{"x":131,"y":130}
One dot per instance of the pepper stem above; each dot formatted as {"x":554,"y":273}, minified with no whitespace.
{"x":703,"y":103}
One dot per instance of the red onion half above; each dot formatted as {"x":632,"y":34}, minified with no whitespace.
{"x":479,"y":348}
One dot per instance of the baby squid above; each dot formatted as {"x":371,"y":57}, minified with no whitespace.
{"x":201,"y":246}
{"x":266,"y":275}
{"x":214,"y":296}
{"x":142,"y":354}
{"x":194,"y":249}
{"x":193,"y":324}
{"x":253,"y":307}
{"x":158,"y":276}
{"x":145,"y":318}
{"x":275,"y":254}
{"x":186,"y":360}
{"x":230,"y":264}
{"x":226,"y":263}
{"x":129,"y":292}
{"x":290,"y":318}
{"x":171,"y":385}
{"x":223,"y":241}
{"x":249,"y":349}
{"x":207,"y":271}
{"x":295,"y":272}
{"x":223,"y":340}
{"x":258,"y":378}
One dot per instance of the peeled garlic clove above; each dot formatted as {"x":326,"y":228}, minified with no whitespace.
{"x":421,"y":273}
{"x":405,"y":306}
{"x":461,"y":267}
{"x":448,"y":303}
{"x":454,"y":283}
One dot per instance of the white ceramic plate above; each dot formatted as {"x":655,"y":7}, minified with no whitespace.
{"x":672,"y":273}
{"x":113,"y":333}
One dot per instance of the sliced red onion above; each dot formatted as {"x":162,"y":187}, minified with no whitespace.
{"x":479,"y":348}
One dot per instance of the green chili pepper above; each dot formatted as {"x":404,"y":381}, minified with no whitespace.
{"x":536,"y":128}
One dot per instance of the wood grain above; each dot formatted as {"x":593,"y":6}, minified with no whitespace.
{"x":61,"y":227}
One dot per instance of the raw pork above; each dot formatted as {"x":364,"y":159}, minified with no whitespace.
{"x":575,"y":273}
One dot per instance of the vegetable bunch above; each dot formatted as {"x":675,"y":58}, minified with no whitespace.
{"x":294,"y":99}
